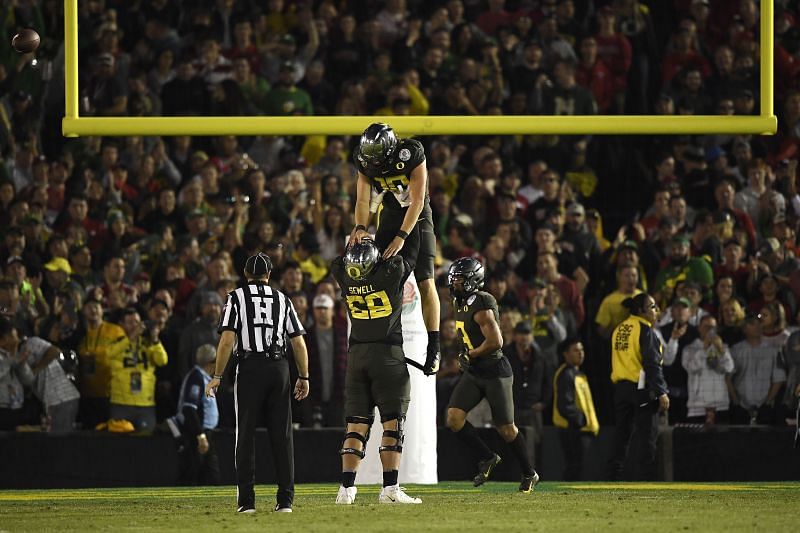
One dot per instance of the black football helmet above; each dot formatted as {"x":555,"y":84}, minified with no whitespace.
{"x":470,"y":272}
{"x":360,"y":259}
{"x":377,"y":145}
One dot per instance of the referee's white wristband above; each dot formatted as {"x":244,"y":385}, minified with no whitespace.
{"x":217,"y":376}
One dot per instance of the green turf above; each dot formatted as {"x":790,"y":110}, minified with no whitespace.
{"x":446,"y":507}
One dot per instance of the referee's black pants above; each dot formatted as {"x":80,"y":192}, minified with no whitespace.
{"x":262,"y":383}
{"x":636,"y":422}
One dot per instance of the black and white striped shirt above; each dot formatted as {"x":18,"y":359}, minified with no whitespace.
{"x":249,"y":312}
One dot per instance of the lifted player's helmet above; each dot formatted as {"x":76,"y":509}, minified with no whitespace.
{"x":465,"y":277}
{"x":360,"y":259}
{"x":377,"y":145}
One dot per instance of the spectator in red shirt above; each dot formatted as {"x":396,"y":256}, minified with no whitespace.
{"x":594,"y":75}
{"x":658,"y":210}
{"x":78,"y":215}
{"x":614,"y":50}
{"x":683,"y":56}
{"x":733,"y":265}
{"x":724,"y":195}
{"x":547,"y":269}
{"x":244,"y":46}
{"x":495,"y":17}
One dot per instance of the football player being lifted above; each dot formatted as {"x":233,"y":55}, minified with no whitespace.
{"x":392,"y":174}
{"x":486,"y":373}
{"x":376,"y":373}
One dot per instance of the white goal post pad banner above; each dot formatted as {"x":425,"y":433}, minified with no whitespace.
{"x":419,"y":462}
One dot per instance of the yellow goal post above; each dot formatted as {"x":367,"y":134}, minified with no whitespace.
{"x":766,"y":123}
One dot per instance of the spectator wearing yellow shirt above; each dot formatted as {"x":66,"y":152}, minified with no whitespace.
{"x":133,"y":360}
{"x":611,"y":312}
{"x":93,"y":364}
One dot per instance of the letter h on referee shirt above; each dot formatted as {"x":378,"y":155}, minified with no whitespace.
{"x":259,"y":310}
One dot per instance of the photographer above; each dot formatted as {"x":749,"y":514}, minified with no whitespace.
{"x":133,"y":359}
{"x":707,"y":360}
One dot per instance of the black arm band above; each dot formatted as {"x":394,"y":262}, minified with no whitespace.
{"x":361,"y":227}
{"x":402,"y":234}
{"x":303,"y":378}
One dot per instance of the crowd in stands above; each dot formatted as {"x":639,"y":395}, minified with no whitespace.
{"x":123,"y":249}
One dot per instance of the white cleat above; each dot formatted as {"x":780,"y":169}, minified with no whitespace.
{"x":346,"y":496}
{"x":396,"y":494}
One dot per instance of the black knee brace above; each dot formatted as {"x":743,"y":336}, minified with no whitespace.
{"x":394,"y":434}
{"x":358,"y":436}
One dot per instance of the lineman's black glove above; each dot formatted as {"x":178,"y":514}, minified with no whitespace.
{"x":432,"y":362}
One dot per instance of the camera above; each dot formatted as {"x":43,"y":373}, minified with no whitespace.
{"x":276,"y":352}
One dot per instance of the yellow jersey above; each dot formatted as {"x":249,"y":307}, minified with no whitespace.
{"x":133,"y":371}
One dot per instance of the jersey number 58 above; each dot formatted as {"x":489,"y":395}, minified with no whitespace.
{"x":375,"y":305}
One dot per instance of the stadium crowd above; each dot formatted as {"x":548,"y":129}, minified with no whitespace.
{"x":123,"y":249}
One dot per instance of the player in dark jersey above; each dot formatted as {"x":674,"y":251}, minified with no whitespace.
{"x":486,"y":372}
{"x":377,"y":374}
{"x":392,"y":174}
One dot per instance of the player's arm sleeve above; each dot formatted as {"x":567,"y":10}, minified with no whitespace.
{"x":651,"y":360}
{"x":404,"y":267}
{"x":229,"y":319}
{"x":565,"y":400}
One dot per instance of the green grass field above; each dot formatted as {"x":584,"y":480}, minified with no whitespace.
{"x":446,"y":507}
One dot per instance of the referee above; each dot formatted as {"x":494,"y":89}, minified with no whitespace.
{"x":256,"y":322}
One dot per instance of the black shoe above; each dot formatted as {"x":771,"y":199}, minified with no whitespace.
{"x":283,"y":508}
{"x":248,"y":509}
{"x":485,"y":470}
{"x":528,"y":482}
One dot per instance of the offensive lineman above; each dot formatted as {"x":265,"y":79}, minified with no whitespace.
{"x":487,"y":372}
{"x":405,"y":225}
{"x":376,"y":367}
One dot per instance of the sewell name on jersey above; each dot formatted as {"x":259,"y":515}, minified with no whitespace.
{"x":361,"y":289}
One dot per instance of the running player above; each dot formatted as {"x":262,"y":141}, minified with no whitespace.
{"x":487,"y":373}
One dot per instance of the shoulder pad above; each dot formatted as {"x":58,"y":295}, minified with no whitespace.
{"x":487,"y":301}
{"x":410,"y":152}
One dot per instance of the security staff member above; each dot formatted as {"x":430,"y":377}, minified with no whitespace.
{"x":256,"y":322}
{"x":639,"y":386}
{"x":573,"y":408}
{"x":376,"y":367}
